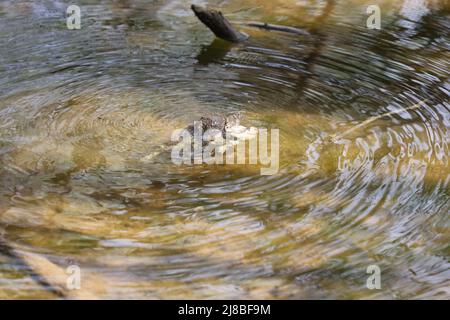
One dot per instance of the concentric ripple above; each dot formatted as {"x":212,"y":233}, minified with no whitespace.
{"x":364,"y":173}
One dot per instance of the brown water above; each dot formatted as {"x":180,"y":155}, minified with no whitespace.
{"x":364,"y":119}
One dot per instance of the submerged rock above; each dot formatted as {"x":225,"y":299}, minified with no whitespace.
{"x":227,"y":127}
{"x":218,"y":122}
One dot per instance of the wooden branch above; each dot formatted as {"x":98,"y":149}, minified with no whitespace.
{"x":217,"y":23}
{"x":275,"y":27}
{"x":48,"y":274}
{"x":223,"y":29}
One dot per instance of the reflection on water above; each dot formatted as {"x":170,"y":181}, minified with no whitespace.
{"x":364,"y":171}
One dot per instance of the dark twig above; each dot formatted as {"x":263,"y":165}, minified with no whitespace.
{"x":217,"y":23}
{"x":223,"y":29}
{"x":275,"y":27}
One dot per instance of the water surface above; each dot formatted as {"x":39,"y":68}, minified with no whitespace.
{"x":364,"y":119}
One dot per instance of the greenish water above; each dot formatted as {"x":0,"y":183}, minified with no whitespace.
{"x":364,"y":120}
